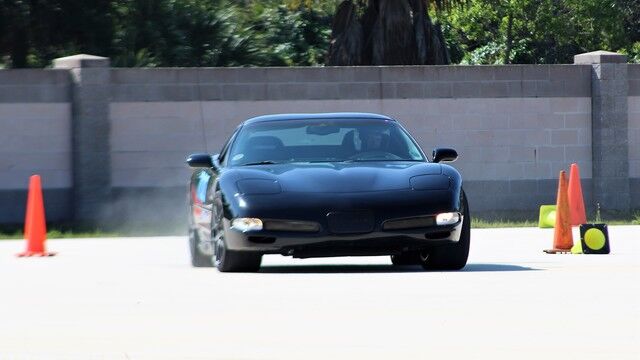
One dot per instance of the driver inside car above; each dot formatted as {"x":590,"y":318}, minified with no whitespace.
{"x":371,"y":140}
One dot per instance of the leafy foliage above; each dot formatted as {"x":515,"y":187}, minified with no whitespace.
{"x":541,"y":31}
{"x":33,"y":32}
{"x":164,"y":32}
{"x":298,"y":32}
{"x":180,"y":33}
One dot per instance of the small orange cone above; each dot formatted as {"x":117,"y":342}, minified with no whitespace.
{"x":562,"y":237}
{"x":35,"y":228}
{"x":576,"y":201}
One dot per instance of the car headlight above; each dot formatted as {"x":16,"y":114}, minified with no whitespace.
{"x":246,"y":224}
{"x":447,"y":218}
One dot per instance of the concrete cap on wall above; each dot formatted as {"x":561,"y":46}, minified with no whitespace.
{"x":80,"y":61}
{"x":599,"y":57}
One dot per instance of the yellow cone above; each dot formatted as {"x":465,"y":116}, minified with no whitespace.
{"x":577,"y":248}
{"x":547,"y":217}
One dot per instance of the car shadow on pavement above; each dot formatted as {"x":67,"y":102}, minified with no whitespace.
{"x":496,"y":267}
{"x":380,"y":268}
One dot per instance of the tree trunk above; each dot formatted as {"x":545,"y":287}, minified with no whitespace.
{"x":346,"y":43}
{"x":421,"y":30}
{"x":19,"y":49}
{"x":18,"y":25}
{"x":393,"y":38}
{"x":390,"y":32}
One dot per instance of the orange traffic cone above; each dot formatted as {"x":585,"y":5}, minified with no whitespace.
{"x":562,"y":237}
{"x":35,"y":228}
{"x":576,"y":201}
{"x":27,"y":217}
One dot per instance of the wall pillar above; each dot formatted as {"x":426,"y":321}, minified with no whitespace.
{"x":609,"y":128}
{"x":90,"y":77}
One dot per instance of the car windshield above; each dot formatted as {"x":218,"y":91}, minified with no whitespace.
{"x":322,"y":140}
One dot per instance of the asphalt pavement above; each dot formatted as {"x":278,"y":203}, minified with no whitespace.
{"x":138,"y":298}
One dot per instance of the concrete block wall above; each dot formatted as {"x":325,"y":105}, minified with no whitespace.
{"x":609,"y":129}
{"x":116,"y":139}
{"x":634,"y":133}
{"x":512,"y":149}
{"x":516,"y":127}
{"x":90,"y":126}
{"x":35,"y":138}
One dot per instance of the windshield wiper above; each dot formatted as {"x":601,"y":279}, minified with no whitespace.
{"x":264,"y":162}
{"x":321,"y":161}
{"x":381,"y":160}
{"x":408,"y":160}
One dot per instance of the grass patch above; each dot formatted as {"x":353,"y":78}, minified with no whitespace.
{"x":61,"y":234}
{"x":635,"y":220}
{"x":69,"y":232}
{"x":489,"y":224}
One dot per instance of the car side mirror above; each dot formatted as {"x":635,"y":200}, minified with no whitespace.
{"x":444,"y":154}
{"x":200,"y":160}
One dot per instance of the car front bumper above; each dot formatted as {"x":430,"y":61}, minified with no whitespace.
{"x":323,"y":244}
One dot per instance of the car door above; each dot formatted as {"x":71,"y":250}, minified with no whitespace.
{"x":200,"y":205}
{"x":202,"y":190}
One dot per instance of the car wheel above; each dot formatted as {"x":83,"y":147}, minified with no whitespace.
{"x":227,"y":260}
{"x":451,"y":256}
{"x":405,"y":259}
{"x":235,"y":261}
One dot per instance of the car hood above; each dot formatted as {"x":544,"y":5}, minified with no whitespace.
{"x":329,"y":177}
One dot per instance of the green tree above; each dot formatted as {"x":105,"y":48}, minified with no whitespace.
{"x":291,"y":35}
{"x":165,"y":32}
{"x":631,"y":28}
{"x":315,"y":32}
{"x":180,"y":33}
{"x":538,"y":31}
{"x":34,"y":32}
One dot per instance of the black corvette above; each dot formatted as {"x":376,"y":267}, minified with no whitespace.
{"x":314,"y":185}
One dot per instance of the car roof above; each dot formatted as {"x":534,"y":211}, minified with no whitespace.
{"x":332,"y":116}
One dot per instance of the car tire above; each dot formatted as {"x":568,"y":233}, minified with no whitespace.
{"x":406,"y":259}
{"x":197,"y":258}
{"x":236,"y":261}
{"x":227,"y":260}
{"x":451,"y":256}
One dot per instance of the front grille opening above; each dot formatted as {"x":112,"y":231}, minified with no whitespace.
{"x":438,"y":235}
{"x":351,"y":222}
{"x":409,"y":223}
{"x":262,"y":239}
{"x":291,"y":225}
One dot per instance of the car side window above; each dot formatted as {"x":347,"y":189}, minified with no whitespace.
{"x":225,"y":149}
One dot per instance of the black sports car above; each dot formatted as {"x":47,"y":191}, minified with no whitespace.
{"x":314,"y":185}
